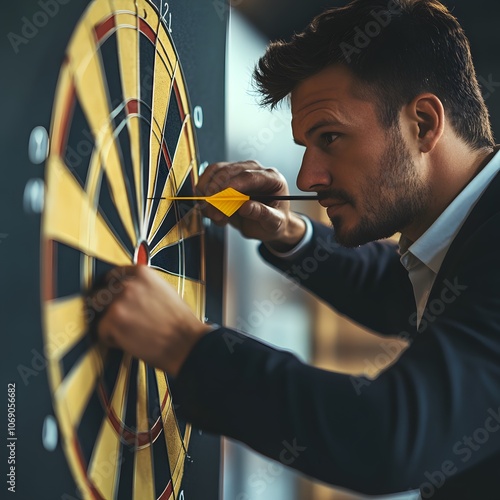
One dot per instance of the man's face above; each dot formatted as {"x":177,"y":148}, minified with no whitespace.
{"x":363,"y":172}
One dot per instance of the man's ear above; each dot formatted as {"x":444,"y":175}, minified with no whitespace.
{"x":427,"y":119}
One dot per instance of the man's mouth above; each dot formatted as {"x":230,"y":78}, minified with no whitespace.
{"x":334,"y":208}
{"x":327,"y":203}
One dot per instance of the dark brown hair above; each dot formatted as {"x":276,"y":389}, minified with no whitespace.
{"x":397,"y":49}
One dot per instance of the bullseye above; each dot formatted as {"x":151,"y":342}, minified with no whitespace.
{"x":142,"y":254}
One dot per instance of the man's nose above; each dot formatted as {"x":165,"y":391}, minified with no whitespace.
{"x":314,"y":174}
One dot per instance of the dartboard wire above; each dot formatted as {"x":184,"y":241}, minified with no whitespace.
{"x":181,"y":249}
{"x":154,"y":173}
{"x":149,"y":204}
{"x":172,"y":181}
{"x":175,"y":71}
{"x":128,"y":34}
{"x":151,"y":218}
{"x":146,"y":5}
{"x":138,"y":83}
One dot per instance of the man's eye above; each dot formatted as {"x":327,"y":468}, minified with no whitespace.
{"x":328,"y":138}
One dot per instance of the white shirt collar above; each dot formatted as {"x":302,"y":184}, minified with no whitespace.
{"x":432,"y":246}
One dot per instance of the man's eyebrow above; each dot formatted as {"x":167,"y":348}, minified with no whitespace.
{"x":322,"y":123}
{"x":316,"y":126}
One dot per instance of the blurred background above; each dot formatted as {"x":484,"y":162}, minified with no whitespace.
{"x":299,"y":322}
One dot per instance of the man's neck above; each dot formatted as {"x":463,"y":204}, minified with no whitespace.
{"x":452,"y":174}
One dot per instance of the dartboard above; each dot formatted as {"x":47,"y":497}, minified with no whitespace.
{"x":122,"y":141}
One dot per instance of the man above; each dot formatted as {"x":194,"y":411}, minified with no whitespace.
{"x":397,"y":138}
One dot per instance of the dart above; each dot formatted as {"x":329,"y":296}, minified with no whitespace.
{"x":229,"y":200}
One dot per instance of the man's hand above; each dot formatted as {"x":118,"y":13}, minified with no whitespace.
{"x":271,"y":223}
{"x":149,"y":320}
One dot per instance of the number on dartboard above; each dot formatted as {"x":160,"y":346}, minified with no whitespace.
{"x":166,"y":15}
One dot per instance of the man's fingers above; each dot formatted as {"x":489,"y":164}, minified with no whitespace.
{"x":103,"y":333}
{"x":248,"y":177}
{"x":102,"y":294}
{"x":270,"y":219}
{"x":215,"y":178}
{"x":213,"y":213}
{"x":264,"y":181}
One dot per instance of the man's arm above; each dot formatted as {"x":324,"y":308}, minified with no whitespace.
{"x":363,"y":283}
{"x":379,"y":436}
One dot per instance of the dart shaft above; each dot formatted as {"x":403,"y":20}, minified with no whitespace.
{"x":284,"y":198}
{"x":254,"y":198}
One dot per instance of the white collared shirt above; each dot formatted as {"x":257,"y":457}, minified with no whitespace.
{"x":423,"y":258}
